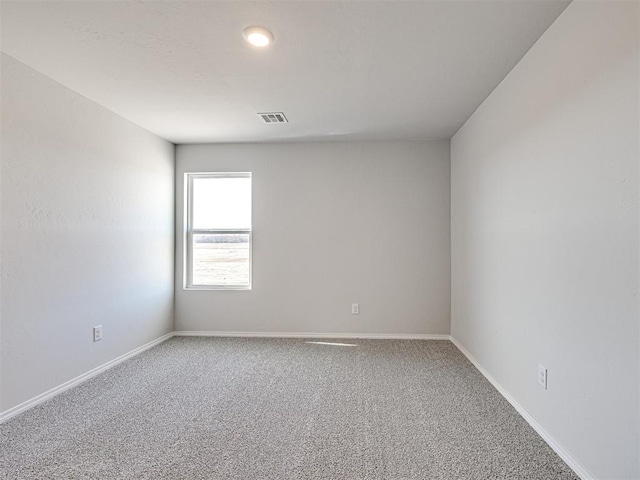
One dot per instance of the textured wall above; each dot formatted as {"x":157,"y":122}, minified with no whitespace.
{"x":87,"y":234}
{"x":334,"y":223}
{"x":545,"y":234}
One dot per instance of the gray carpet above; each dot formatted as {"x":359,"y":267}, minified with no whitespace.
{"x":254,"y":409}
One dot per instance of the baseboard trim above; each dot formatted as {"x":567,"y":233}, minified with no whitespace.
{"x":364,"y":336}
{"x":12,"y":412}
{"x":562,"y":452}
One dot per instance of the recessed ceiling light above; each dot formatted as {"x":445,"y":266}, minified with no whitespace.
{"x":258,"y":36}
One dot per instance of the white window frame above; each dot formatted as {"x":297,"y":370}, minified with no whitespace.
{"x":189,"y":231}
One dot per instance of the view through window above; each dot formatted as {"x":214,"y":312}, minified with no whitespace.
{"x":218,"y":230}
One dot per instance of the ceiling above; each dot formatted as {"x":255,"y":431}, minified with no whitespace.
{"x":339,"y":70}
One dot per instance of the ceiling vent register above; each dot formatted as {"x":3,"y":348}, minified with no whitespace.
{"x":273,"y":117}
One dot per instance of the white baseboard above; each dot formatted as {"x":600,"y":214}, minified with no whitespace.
{"x":562,"y":452}
{"x":7,"y":414}
{"x":364,"y":336}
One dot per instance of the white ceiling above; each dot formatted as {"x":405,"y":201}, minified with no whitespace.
{"x":338,"y":70}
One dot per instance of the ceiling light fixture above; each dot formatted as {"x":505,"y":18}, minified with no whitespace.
{"x":258,"y":36}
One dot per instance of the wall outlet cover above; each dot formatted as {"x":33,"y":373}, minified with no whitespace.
{"x":542,"y":376}
{"x":97,"y":333}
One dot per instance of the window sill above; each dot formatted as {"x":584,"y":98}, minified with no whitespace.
{"x":205,"y":287}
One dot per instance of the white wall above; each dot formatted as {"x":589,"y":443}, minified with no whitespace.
{"x":334,"y":224}
{"x":87,"y":234}
{"x":545,"y":234}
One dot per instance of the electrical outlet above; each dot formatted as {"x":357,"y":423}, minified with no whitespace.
{"x":97,"y":333}
{"x":542,"y":376}
{"x":355,"y":309}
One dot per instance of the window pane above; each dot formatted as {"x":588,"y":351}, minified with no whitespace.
{"x":221,"y":203}
{"x":221,"y":259}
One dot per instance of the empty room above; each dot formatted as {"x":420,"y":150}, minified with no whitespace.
{"x":351,"y":240}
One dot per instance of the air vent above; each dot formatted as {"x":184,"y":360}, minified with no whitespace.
{"x":274,"y":117}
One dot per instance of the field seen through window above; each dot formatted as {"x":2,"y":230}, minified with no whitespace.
{"x":221,"y":259}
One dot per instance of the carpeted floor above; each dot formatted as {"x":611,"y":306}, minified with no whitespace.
{"x":258,"y":409}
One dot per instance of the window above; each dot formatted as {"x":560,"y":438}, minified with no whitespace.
{"x":218,"y":231}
